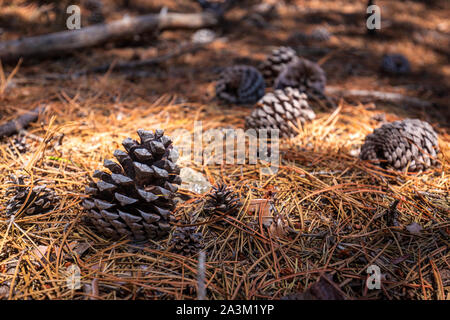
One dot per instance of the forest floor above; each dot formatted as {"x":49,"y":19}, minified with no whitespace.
{"x":333,"y":204}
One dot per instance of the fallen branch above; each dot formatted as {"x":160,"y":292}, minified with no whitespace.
{"x":379,"y":95}
{"x":66,"y":41}
{"x":11,"y":127}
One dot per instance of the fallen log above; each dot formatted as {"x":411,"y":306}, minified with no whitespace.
{"x":66,"y":41}
{"x":11,"y":127}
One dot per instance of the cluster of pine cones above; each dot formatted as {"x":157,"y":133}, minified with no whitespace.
{"x":410,"y":143}
{"x":133,"y":198}
{"x":221,"y":203}
{"x":294,"y":81}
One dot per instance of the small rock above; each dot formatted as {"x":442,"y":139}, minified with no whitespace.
{"x":203,"y":36}
{"x":194,"y":181}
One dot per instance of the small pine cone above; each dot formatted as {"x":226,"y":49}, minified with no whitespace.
{"x":395,"y":64}
{"x":408,"y":143}
{"x":222,"y":201}
{"x":19,"y":144}
{"x":186,"y":241}
{"x":203,"y":36}
{"x":240,"y":85}
{"x":136,"y":199}
{"x":281,"y":110}
{"x":40,"y":198}
{"x":275,"y":63}
{"x":304,"y":75}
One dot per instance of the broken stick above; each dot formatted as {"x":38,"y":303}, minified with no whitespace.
{"x":11,"y":127}
{"x":66,"y":41}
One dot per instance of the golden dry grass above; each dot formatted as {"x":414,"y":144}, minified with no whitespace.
{"x":330,"y":198}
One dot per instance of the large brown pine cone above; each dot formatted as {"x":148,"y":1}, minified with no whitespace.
{"x":186,"y":241}
{"x":240,"y":85}
{"x":19,"y":144}
{"x":305,"y":75}
{"x":275,"y":63}
{"x":40,"y":198}
{"x":222,"y":200}
{"x":136,"y":199}
{"x":407,"y":143}
{"x":281,"y":110}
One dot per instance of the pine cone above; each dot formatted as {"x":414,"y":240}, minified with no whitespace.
{"x":186,"y":241}
{"x":222,"y":201}
{"x":395,"y":64}
{"x":275,"y":63}
{"x":280,"y":110}
{"x":19,"y":144}
{"x":203,"y":36}
{"x":399,"y":144}
{"x":304,"y":75}
{"x":96,"y":17}
{"x":40,"y":198}
{"x":137,"y":198}
{"x":240,"y":85}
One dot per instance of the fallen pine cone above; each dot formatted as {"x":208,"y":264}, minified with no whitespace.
{"x":276,"y":62}
{"x":240,"y":85}
{"x":304,"y":75}
{"x":136,"y":199}
{"x":36,"y":199}
{"x":222,"y":200}
{"x":281,"y":109}
{"x":186,"y":241}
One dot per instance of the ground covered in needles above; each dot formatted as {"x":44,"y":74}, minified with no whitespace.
{"x":323,"y":213}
